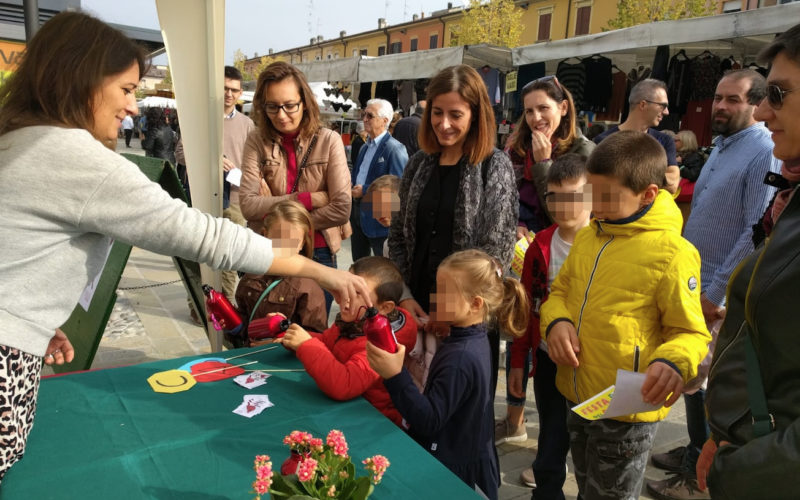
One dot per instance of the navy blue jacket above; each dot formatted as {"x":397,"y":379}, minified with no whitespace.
{"x":454,"y":418}
{"x":390,"y":158}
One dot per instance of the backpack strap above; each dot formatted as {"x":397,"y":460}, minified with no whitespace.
{"x":261,"y":298}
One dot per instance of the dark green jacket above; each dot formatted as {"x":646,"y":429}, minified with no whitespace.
{"x":763,"y":300}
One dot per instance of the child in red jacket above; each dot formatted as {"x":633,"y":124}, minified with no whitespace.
{"x":337,"y":359}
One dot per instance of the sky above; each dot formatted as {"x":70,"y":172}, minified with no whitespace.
{"x":258,"y":25}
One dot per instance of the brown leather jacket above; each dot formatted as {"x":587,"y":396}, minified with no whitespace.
{"x":299,"y":299}
{"x":264,"y":182}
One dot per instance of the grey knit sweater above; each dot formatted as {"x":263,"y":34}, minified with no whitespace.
{"x":64,"y":196}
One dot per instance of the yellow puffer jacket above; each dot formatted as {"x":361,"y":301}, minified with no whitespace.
{"x":632,"y":290}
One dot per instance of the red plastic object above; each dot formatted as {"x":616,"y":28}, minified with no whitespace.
{"x":379,"y":331}
{"x":221,"y":310}
{"x":267,"y":328}
{"x":226,"y":370}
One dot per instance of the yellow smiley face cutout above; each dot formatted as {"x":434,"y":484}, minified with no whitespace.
{"x":171,"y":381}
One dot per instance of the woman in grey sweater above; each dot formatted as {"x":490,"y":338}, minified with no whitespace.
{"x":67,"y":196}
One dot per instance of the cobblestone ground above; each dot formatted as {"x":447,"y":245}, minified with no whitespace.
{"x":153,"y":323}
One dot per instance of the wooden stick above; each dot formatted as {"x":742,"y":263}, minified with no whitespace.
{"x":254,"y":352}
{"x":224,"y":368}
{"x":279,"y":370}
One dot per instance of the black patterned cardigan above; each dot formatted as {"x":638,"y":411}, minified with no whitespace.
{"x":486,"y":210}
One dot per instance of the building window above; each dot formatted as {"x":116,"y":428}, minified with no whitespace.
{"x":414,"y":43}
{"x":434,"y":41}
{"x":582,"y":17}
{"x":545,"y":21}
{"x":733,"y":6}
{"x":396,"y":48}
{"x":364,"y":52}
{"x":382,"y":50}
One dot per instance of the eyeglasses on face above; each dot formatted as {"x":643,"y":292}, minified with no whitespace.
{"x":367,"y":115}
{"x":662,"y":105}
{"x":776,"y":94}
{"x":288,"y":108}
{"x":232,"y":90}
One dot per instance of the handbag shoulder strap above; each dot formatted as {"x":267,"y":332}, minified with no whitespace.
{"x":261,"y":298}
{"x":303,"y":163}
{"x":763,"y":421}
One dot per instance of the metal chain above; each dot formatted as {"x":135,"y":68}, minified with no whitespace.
{"x":152,"y":285}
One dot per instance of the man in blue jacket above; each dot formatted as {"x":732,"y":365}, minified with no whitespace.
{"x":381,"y":155}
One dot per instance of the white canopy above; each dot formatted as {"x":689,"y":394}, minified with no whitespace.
{"x":741,"y":34}
{"x":156,"y":102}
{"x":407,"y":65}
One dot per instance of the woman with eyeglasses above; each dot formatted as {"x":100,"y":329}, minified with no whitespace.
{"x":67,"y":195}
{"x":291,"y":156}
{"x":546,"y":130}
{"x":753,"y":395}
{"x":457,"y":193}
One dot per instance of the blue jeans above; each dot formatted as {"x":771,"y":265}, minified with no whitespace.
{"x":697,"y":425}
{"x":549,"y":467}
{"x":512,"y":400}
{"x":325,"y":257}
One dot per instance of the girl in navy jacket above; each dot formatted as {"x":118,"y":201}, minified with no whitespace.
{"x":454,"y":417}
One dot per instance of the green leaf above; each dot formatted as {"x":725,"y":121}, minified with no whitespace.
{"x":301,"y":497}
{"x":286,"y":485}
{"x":363,"y":489}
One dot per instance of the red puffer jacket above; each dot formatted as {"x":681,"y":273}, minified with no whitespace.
{"x":340,"y":368}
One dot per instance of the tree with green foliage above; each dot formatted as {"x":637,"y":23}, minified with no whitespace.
{"x":634,"y":12}
{"x":498,"y":22}
{"x":239,"y":60}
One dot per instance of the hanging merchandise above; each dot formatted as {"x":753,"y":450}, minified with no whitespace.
{"x":405,"y":96}
{"x":679,"y":82}
{"x":706,"y":72}
{"x":573,"y":77}
{"x":364,"y":94}
{"x":597,"y":95}
{"x":491,"y":77}
{"x":698,"y":120}
{"x":387,"y":91}
{"x":661,"y":63}
{"x":619,"y":87}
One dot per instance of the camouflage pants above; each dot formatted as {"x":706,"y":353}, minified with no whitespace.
{"x":609,"y":456}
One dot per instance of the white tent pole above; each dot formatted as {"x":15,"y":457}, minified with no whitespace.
{"x":193,"y":32}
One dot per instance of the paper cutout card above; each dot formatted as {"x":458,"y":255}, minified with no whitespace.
{"x":622,"y":398}
{"x":253,"y":404}
{"x":251,"y":380}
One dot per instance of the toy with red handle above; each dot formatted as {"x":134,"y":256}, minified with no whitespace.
{"x":379,"y":331}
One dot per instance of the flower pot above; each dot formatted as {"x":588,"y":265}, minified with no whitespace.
{"x":289,"y":466}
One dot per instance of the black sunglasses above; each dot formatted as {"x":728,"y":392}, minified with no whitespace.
{"x":544,"y":79}
{"x":775,"y":95}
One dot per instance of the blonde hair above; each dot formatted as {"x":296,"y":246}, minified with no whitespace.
{"x":688,"y":141}
{"x":503,"y":298}
{"x":388,"y":181}
{"x":296,"y":214}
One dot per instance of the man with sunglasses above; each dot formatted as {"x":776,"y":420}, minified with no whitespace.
{"x":729,"y":198}
{"x":754,"y":382}
{"x":648,"y":106}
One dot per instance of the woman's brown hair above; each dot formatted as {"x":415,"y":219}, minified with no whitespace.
{"x":567,"y":130}
{"x":503,"y":298}
{"x":469,"y":85}
{"x":62,"y":68}
{"x":277,"y":72}
{"x":296,"y":214}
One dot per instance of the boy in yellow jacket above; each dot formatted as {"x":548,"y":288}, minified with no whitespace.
{"x":627,"y":297}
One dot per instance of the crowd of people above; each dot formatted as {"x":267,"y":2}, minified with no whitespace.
{"x":614,"y":275}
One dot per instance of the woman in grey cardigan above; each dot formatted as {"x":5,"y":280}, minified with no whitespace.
{"x":458,"y":192}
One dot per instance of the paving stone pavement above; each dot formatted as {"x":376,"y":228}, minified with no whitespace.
{"x":153,"y":323}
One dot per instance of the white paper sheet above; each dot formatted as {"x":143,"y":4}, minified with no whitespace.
{"x":253,"y":404}
{"x":628,"y":395}
{"x":234,"y":176}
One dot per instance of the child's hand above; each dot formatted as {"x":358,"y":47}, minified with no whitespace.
{"x":385,"y":364}
{"x":662,"y":380}
{"x":295,"y":336}
{"x":563,"y":344}
{"x":515,"y":382}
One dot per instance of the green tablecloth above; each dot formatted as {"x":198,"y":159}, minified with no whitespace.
{"x":107,"y":435}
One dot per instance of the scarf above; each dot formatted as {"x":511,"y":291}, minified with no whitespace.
{"x":790,"y":170}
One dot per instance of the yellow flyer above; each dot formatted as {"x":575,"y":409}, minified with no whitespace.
{"x":519,"y":255}
{"x":595,"y":408}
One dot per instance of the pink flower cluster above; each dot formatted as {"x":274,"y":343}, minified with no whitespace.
{"x":297,"y":439}
{"x":263,"y":468}
{"x":337,"y":443}
{"x":306,"y":469}
{"x":377,"y":465}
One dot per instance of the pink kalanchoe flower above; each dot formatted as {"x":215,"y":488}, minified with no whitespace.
{"x":377,"y":465}
{"x":264,"y":471}
{"x":336,"y":441}
{"x":306,"y":469}
{"x":316,"y":444}
{"x":261,"y":486}
{"x":332,"y":491}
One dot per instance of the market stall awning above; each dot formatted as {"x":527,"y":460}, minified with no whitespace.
{"x":426,"y":63}
{"x":741,"y":33}
{"x":333,"y":70}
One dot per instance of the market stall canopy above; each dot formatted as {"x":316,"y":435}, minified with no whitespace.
{"x":426,"y":63}
{"x":741,"y":34}
{"x":333,"y":70}
{"x":157,"y":102}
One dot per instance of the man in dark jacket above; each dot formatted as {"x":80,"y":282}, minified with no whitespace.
{"x":406,"y":129}
{"x":753,"y":396}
